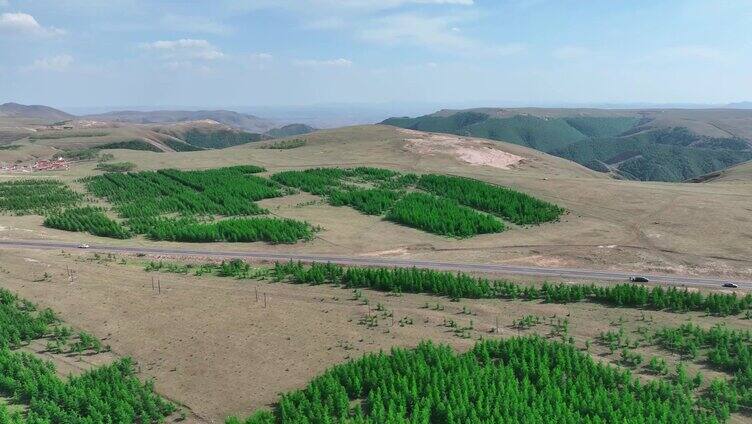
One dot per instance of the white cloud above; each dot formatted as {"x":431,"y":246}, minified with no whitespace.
{"x":184,"y":50}
{"x":329,"y":5}
{"x":23,"y":24}
{"x":570,"y":52}
{"x":693,"y":52}
{"x":506,"y":49}
{"x":415,"y":29}
{"x":257,"y":60}
{"x":396,"y":3}
{"x":194,"y":24}
{"x":436,"y":32}
{"x":327,"y":23}
{"x":54,"y":63}
{"x":260,"y":56}
{"x":337,"y":63}
{"x":686,"y":55}
{"x":339,"y":14}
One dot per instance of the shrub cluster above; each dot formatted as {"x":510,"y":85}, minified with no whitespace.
{"x":725,"y":349}
{"x":116,"y":167}
{"x":373,"y":201}
{"x":271,"y":230}
{"x":514,"y":206}
{"x":284,"y":144}
{"x":459,"y":285}
{"x":130,"y":145}
{"x":318,"y":181}
{"x":442,"y":216}
{"x":87,"y":219}
{"x":235,"y":268}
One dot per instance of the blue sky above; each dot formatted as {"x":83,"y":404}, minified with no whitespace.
{"x":71,"y":53}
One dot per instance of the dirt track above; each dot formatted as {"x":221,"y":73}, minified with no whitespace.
{"x":713,"y":283}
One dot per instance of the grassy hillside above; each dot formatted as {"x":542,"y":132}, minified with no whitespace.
{"x":540,"y":134}
{"x":602,"y":127}
{"x":644,"y":226}
{"x":741,"y":173}
{"x":130,"y":145}
{"x":290,"y":130}
{"x":218,"y":139}
{"x":226,"y":117}
{"x":179,"y":145}
{"x":208,"y":136}
{"x":638,"y":145}
{"x":44,"y":113}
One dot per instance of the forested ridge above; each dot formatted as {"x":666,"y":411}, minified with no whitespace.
{"x":626,"y":145}
{"x":218,"y":138}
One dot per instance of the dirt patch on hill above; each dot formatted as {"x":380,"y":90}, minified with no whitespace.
{"x":468,"y":150}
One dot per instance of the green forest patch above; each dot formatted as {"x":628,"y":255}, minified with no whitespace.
{"x":517,"y":380}
{"x":438,"y":204}
{"x":220,"y":204}
{"x":107,"y":394}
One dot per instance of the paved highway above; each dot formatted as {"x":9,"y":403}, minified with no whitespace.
{"x":390,"y":262}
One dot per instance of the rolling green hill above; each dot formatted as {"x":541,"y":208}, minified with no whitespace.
{"x":541,"y":133}
{"x":640,"y":145}
{"x":208,"y":135}
{"x":290,"y":131}
{"x":638,"y":158}
{"x":219,"y":139}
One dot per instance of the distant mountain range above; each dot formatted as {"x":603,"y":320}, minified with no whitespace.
{"x":236,"y":120}
{"x":15,"y":110}
{"x":656,"y":144}
{"x":641,"y":144}
{"x":162,"y":130}
{"x":203,"y":129}
{"x":255,"y":128}
{"x":740,"y":105}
